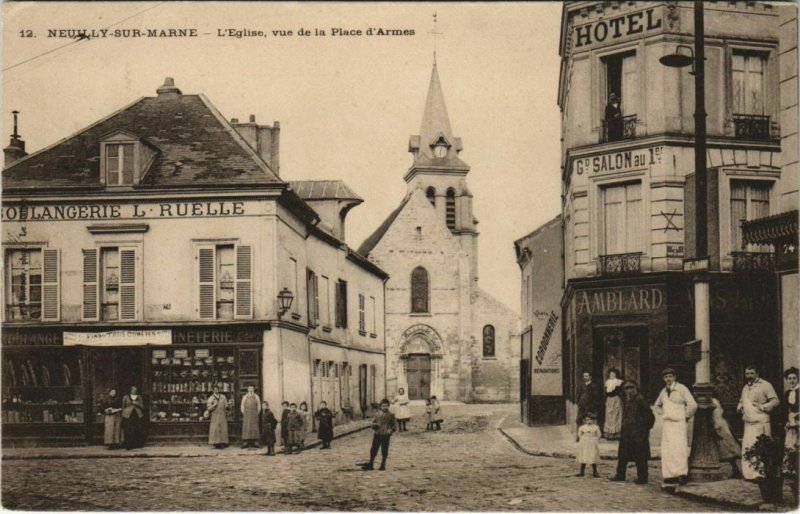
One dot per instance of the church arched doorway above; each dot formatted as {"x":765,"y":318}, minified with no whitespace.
{"x":420,"y":362}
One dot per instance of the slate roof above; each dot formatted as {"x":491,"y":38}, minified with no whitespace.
{"x":323,"y":190}
{"x":194,"y":146}
{"x":375,"y":238}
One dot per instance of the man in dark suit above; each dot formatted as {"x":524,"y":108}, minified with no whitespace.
{"x":634,"y":440}
{"x":589,"y":399}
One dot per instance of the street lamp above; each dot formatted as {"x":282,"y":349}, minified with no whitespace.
{"x":704,"y":457}
{"x":285,"y":298}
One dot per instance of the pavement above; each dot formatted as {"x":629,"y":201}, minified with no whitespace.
{"x":559,"y":441}
{"x":468,"y":466}
{"x":164,"y":451}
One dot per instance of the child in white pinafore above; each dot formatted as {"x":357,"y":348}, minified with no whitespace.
{"x":589,"y":444}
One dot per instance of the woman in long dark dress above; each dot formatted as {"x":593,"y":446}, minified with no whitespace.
{"x":133,"y":419}
{"x":268,"y":425}
{"x":111,"y":410}
{"x":324,"y":417}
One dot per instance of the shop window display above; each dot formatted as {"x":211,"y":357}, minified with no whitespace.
{"x":43,"y":387}
{"x":182,"y":379}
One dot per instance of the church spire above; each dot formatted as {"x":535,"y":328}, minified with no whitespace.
{"x":435,"y":148}
{"x":435,"y":120}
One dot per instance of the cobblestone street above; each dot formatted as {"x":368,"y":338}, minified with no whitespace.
{"x":469,"y":465}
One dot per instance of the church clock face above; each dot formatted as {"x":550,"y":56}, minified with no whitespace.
{"x":440,"y":151}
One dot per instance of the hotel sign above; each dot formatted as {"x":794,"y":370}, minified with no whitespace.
{"x":616,"y":162}
{"x":618,"y":27}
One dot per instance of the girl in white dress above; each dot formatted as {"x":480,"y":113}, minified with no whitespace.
{"x":589,"y":444}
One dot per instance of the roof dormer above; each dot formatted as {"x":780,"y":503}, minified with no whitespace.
{"x":124,"y":158}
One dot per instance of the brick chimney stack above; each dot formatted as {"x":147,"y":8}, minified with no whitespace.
{"x":265,"y":140}
{"x":16,"y":148}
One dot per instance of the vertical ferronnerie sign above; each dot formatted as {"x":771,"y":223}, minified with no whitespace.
{"x":546,"y":353}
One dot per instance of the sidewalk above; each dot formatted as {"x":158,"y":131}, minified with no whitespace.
{"x":165,"y":451}
{"x":559,"y":441}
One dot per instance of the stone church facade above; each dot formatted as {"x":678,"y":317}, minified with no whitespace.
{"x":445,"y":336}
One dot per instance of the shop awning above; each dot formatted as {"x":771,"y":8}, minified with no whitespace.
{"x":770,"y":229}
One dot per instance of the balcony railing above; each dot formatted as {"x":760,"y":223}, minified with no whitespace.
{"x":753,"y":261}
{"x":617,"y":129}
{"x":620,"y":264}
{"x":751,"y":126}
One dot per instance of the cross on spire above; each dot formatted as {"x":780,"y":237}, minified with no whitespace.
{"x":435,"y":33}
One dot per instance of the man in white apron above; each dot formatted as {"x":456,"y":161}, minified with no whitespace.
{"x":677,"y":407}
{"x":758,"y":399}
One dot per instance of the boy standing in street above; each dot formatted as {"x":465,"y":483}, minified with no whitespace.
{"x":384,"y":425}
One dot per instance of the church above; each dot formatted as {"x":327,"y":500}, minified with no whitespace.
{"x":445,"y":336}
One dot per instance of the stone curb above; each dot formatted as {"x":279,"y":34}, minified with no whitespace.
{"x":155,"y":455}
{"x":726,"y":504}
{"x":556,"y":454}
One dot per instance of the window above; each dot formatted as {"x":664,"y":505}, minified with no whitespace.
{"x":748,"y":82}
{"x":313,"y":298}
{"x":324,"y":302}
{"x":373,"y":312}
{"x":622,"y":219}
{"x":32,"y":284}
{"x":373,"y":373}
{"x":362,"y":322}
{"x":488,"y":341}
{"x":450,"y":209}
{"x":119,"y":164}
{"x":110,"y":284}
{"x":749,"y":201}
{"x":619,"y":119}
{"x":341,"y":304}
{"x":419,"y":290}
{"x":224,"y":278}
{"x":430,"y":193}
{"x":293,"y":278}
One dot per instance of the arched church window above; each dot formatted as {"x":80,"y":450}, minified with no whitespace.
{"x":419,"y":290}
{"x":450,"y":209}
{"x":488,"y":341}
{"x":431,"y":194}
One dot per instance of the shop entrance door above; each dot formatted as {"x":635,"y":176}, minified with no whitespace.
{"x":623,"y":348}
{"x":114,"y":368}
{"x":418,"y":376}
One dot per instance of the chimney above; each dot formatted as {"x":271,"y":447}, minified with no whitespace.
{"x":168,"y":89}
{"x":16,"y":148}
{"x":261,"y":138}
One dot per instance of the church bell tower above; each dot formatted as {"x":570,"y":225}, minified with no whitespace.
{"x":439,"y":171}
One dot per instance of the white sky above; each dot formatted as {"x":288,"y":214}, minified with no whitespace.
{"x":346,"y":105}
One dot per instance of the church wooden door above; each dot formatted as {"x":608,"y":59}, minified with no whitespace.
{"x":418,"y":375}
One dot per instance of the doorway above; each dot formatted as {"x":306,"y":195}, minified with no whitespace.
{"x":625,"y":349}
{"x":115,"y":368}
{"x":418,"y":376}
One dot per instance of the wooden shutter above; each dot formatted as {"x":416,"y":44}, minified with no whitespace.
{"x":90,"y":293}
{"x":244,"y":282}
{"x":127,"y":284}
{"x":51,"y":301}
{"x":206,"y":282}
{"x":629,"y":87}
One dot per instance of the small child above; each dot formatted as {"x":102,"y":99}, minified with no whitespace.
{"x":295,"y":422}
{"x":429,"y":414}
{"x":589,"y":444}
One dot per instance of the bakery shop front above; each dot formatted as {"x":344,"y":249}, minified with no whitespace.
{"x":54,"y":379}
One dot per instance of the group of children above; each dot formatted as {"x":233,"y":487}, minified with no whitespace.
{"x":433,"y":412}
{"x":295,"y":420}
